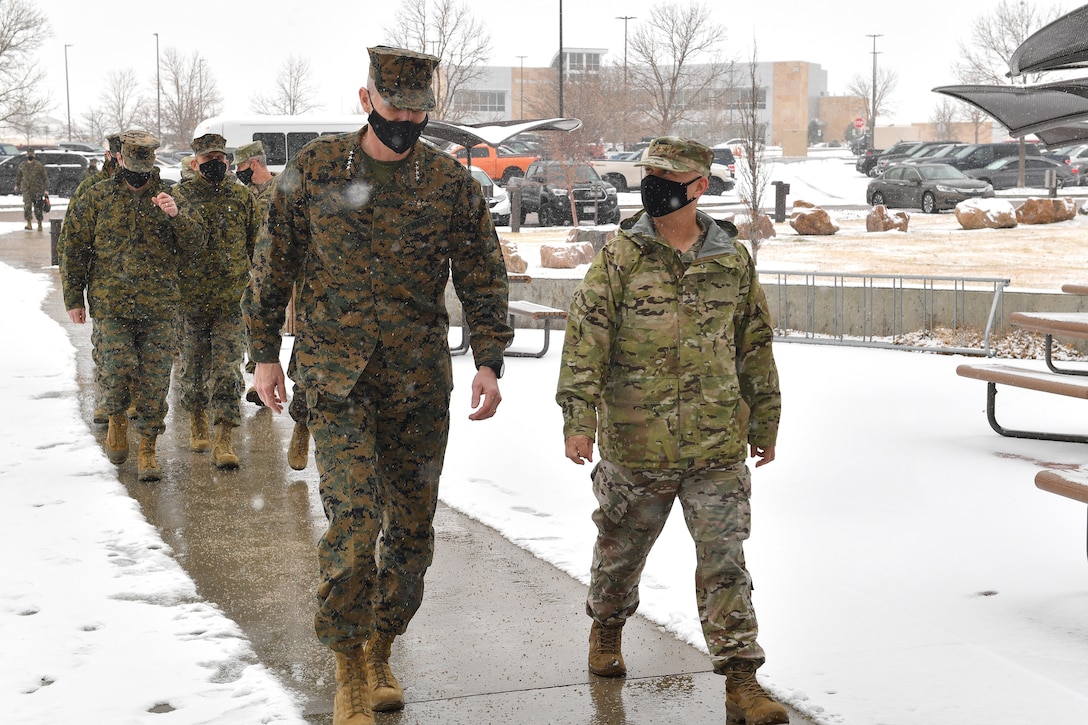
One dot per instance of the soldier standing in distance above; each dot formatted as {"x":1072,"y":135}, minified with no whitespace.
{"x":668,"y":356}
{"x":212,"y":332}
{"x":32,"y":180}
{"x":124,"y":244}
{"x":372,"y":223}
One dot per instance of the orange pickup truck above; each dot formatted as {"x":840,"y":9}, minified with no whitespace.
{"x":501,"y":164}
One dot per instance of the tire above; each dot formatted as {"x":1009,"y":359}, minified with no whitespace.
{"x":510,"y":173}
{"x":613,"y":218}
{"x":617,"y":180}
{"x":716,"y":186}
{"x":547,"y":215}
{"x":929,"y":203}
{"x":878,"y":199}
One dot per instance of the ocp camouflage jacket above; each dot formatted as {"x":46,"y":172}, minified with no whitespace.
{"x":667,"y":362}
{"x":372,"y":260}
{"x":125,"y":252}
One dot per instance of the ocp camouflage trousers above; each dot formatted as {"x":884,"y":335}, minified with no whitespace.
{"x":211,"y":366}
{"x":379,"y":454}
{"x":135,"y":357}
{"x":633,"y":506}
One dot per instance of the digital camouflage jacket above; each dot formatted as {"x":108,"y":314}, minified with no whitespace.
{"x":213,"y":284}
{"x":372,"y":260}
{"x":31,"y":178}
{"x":125,"y":252}
{"x":666,"y":362}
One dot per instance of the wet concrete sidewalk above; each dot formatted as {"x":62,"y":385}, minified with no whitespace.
{"x":501,"y":636}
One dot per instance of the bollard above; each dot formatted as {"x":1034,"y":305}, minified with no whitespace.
{"x":780,"y":191}
{"x":1051,"y":182}
{"x":54,"y":237}
{"x":513,"y":188}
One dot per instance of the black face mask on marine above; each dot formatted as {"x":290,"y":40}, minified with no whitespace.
{"x":136,"y":179}
{"x":661,"y":196}
{"x":399,"y":136}
{"x":214,"y":170}
{"x":246,"y":177}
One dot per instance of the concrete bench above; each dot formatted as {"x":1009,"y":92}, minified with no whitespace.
{"x":1039,"y":380}
{"x":534,"y":312}
{"x":1071,"y":484}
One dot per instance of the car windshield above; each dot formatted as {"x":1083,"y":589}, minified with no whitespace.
{"x":1000,"y":163}
{"x":940,"y":172}
{"x":558,"y":175}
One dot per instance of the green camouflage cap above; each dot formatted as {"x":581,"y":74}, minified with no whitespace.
{"x":208,"y":143}
{"x":244,"y":153}
{"x":138,"y":150}
{"x":403,"y":77}
{"x":114,"y":141}
{"x":673,"y":153}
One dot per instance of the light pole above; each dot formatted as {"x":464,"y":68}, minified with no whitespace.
{"x":67,"y":95}
{"x":158,"y":90}
{"x":562,"y":60}
{"x":521,"y":88}
{"x":872,"y":109}
{"x":626,"y":106}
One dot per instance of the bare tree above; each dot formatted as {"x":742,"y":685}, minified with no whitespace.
{"x":861,"y":85}
{"x":24,"y":113}
{"x":755,"y":172}
{"x":446,"y":29}
{"x":675,"y":65}
{"x":189,"y":95}
{"x":121,"y":104}
{"x":946,"y":114}
{"x":293,"y":92}
{"x":23,"y":29}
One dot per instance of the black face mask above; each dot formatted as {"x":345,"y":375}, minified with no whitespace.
{"x":661,"y":196}
{"x":136,"y":179}
{"x":214,"y":170}
{"x":399,"y":136}
{"x":246,"y":177}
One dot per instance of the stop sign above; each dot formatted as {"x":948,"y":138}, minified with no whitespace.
{"x":859,"y":123}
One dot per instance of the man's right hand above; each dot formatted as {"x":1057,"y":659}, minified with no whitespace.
{"x":270,"y":384}
{"x":580,"y":449}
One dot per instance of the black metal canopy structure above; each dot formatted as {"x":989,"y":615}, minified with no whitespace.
{"x":1028,"y":109}
{"x":1061,"y":45}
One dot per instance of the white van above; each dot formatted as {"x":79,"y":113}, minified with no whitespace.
{"x":282,"y":136}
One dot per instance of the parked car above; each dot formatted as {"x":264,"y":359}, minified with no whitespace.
{"x":545,"y":188}
{"x":623,"y":173}
{"x":82,"y":148}
{"x":498,"y":200}
{"x":933,"y":154}
{"x":503,"y":163}
{"x":1005,"y":173}
{"x":865,"y":164}
{"x":977,"y":155}
{"x":64,"y":168}
{"x":7,"y":150}
{"x":929,"y":187}
{"x":724,"y":155}
{"x":917,"y":150}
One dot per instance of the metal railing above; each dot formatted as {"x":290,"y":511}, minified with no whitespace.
{"x":879,"y":310}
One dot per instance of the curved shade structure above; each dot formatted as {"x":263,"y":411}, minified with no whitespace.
{"x":1061,"y":45}
{"x":1027,"y":109}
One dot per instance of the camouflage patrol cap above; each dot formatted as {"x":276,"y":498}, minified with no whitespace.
{"x":138,"y":150}
{"x":208,"y":143}
{"x":403,"y":77}
{"x":673,"y":153}
{"x":114,"y":141}
{"x":244,"y":153}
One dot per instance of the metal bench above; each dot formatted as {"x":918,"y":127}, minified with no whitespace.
{"x":1040,"y":380}
{"x":534,"y":311}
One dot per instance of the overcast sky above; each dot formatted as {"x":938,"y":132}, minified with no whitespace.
{"x":245,"y":46}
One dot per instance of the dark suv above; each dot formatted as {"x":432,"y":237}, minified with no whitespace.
{"x":64,"y":168}
{"x":544,"y":190}
{"x":978,"y":155}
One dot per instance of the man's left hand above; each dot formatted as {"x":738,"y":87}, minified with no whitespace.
{"x":765,"y":454}
{"x":485,"y":385}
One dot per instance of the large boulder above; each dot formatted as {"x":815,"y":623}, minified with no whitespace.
{"x":566,"y":256}
{"x":881,"y":220}
{"x":764,"y":227}
{"x":810,"y":220}
{"x":985,"y":214}
{"x":1037,"y":210}
{"x":515,"y":263}
{"x":597,"y":237}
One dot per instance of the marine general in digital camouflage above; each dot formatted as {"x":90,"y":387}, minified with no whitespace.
{"x":372,"y":234}
{"x":667,"y":363}
{"x":123,"y":248}
{"x":212,"y":331}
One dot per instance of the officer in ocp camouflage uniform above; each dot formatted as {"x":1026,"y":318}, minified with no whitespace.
{"x":124,"y":244}
{"x":212,"y":331}
{"x":372,"y":224}
{"x":667,"y":357}
{"x":33,"y":182}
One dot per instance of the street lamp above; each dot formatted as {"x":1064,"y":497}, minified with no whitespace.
{"x":562,"y":60}
{"x":158,"y":90}
{"x":521,"y":87}
{"x":67,"y":95}
{"x":872,"y":110}
{"x":625,"y":18}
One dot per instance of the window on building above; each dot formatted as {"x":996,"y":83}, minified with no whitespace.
{"x":481,"y":101}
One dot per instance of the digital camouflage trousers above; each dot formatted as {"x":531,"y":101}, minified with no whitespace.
{"x":379,"y":454}
{"x":134,"y":360}
{"x":633,"y":506}
{"x":211,"y":366}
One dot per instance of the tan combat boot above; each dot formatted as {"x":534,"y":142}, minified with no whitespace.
{"x":117,"y":439}
{"x":223,"y":450}
{"x":746,"y":701}
{"x":298,"y":450}
{"x":39,"y":225}
{"x":385,"y":692}
{"x":28,"y":227}
{"x":605,"y":658}
{"x":147,"y":467}
{"x":351,"y":705}
{"x":199,"y":440}
{"x":99,"y":416}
